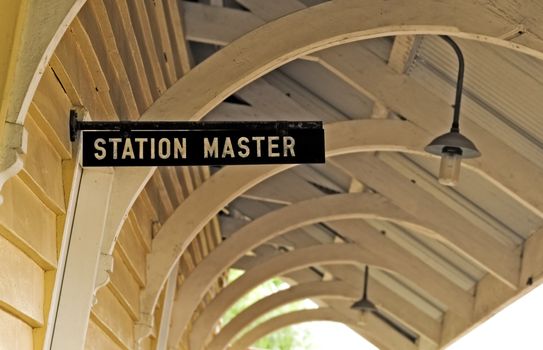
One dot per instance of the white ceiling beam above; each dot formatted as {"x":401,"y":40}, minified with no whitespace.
{"x":328,"y":208}
{"x":403,"y":52}
{"x":408,"y":98}
{"x":277,"y":265}
{"x":229,"y":183}
{"x":413,"y":101}
{"x":216,"y":25}
{"x":458,"y":233}
{"x":289,"y":38}
{"x":334,"y":289}
{"x":372,"y":325}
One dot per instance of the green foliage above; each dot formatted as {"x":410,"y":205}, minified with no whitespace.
{"x":287,"y":338}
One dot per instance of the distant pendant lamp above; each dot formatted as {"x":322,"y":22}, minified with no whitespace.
{"x":364,"y":304}
{"x":453,"y":146}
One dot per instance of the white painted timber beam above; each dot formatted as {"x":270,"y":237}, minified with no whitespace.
{"x":127,"y":185}
{"x":283,"y":263}
{"x":290,"y":37}
{"x":189,"y":218}
{"x":334,"y":289}
{"x":167,"y":305}
{"x":223,"y":187}
{"x":403,"y":52}
{"x":372,"y":325}
{"x":402,"y":94}
{"x":323,"y":209}
{"x":77,"y":287}
{"x":458,"y":233}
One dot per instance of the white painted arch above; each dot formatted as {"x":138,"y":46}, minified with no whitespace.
{"x":284,"y":263}
{"x":333,"y":289}
{"x":335,"y":22}
{"x":323,"y":209}
{"x":223,"y":187}
{"x":371,"y":325}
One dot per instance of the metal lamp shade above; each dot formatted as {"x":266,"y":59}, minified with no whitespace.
{"x":452,"y":140}
{"x":364,"y":305}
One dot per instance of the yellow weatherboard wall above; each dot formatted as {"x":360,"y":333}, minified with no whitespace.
{"x":33,"y":215}
{"x":12,"y":14}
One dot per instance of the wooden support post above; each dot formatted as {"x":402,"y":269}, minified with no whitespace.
{"x":84,"y":240}
{"x":164,"y":328}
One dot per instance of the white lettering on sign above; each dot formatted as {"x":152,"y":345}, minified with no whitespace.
{"x":115,"y":141}
{"x":243,"y":147}
{"x":164,"y":148}
{"x":211,"y":150}
{"x":258,"y":140}
{"x":180,"y":148}
{"x":98,"y":146}
{"x":136,"y":148}
{"x":272,"y":146}
{"x":141,"y":143}
{"x":228,"y":150}
{"x":288,"y":145}
{"x":140,"y":148}
{"x":128,"y":150}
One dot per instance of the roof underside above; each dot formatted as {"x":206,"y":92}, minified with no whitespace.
{"x":502,"y":94}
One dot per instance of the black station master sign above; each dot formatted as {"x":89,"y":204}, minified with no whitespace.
{"x":205,"y":143}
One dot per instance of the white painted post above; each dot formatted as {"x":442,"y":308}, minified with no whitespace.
{"x":77,"y":286}
{"x":167,"y":306}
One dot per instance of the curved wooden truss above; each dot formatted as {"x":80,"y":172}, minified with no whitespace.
{"x":370,"y":325}
{"x":206,"y":201}
{"x":294,"y":260}
{"x":196,"y":80}
{"x":324,"y":209}
{"x":333,"y":289}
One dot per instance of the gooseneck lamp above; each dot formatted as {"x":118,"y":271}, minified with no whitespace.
{"x":364,"y":304}
{"x":453,"y":146}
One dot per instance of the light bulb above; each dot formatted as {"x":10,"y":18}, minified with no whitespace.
{"x":449,"y":170}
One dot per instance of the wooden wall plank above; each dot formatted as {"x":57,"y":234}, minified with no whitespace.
{"x":163,"y":46}
{"x":188,"y":185}
{"x":28,"y":223}
{"x":181,"y":53}
{"x":143,"y":220}
{"x":95,"y":21}
{"x":134,"y":252}
{"x":42,"y":170}
{"x":142,"y":29}
{"x":98,"y":340}
{"x":172,"y":185}
{"x":142,"y":232}
{"x":159,"y":197}
{"x":113,"y":318}
{"x":14,"y":333}
{"x":125,"y":39}
{"x":72,"y":62}
{"x":101,"y":81}
{"x":53,"y":105}
{"x":21,"y":284}
{"x":124,"y":286}
{"x":148,"y":343}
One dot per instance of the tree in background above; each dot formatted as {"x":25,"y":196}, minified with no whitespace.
{"x":288,"y":338}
